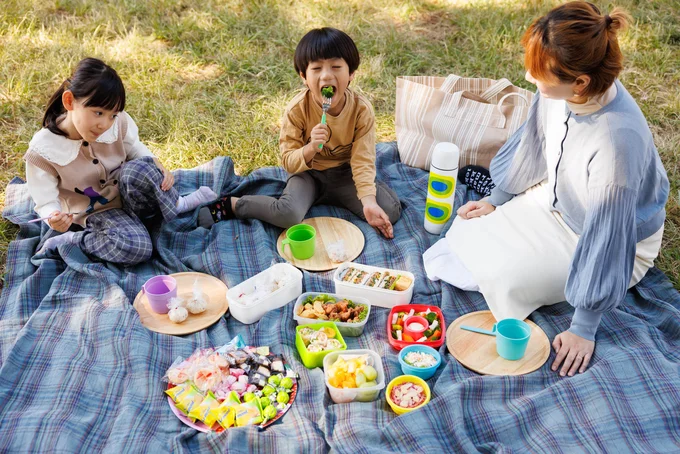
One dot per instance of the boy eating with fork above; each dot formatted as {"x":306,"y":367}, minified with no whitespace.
{"x":331,"y":163}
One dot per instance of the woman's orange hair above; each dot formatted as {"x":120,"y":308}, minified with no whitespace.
{"x":576,"y":39}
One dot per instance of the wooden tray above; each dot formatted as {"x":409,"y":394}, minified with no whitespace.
{"x":215,"y":289}
{"x":328,"y":230}
{"x":478,"y":351}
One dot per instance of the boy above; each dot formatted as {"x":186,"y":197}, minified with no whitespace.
{"x":332,"y":163}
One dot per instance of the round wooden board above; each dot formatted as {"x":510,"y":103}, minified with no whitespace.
{"x":328,"y":230}
{"x":215,"y":289}
{"x":478,"y":351}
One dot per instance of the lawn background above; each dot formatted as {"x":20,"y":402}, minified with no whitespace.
{"x":211,"y":78}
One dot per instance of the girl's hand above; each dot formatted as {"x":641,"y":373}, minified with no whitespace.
{"x":475,"y":209}
{"x":319,"y":136}
{"x":168,"y":177}
{"x":60,"y":221}
{"x":574,"y":350}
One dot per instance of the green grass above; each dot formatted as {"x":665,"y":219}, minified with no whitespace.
{"x":211,"y":78}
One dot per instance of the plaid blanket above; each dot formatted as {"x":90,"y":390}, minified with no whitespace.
{"x":78,"y":372}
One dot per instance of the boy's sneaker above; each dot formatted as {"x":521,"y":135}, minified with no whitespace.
{"x":477,"y":178}
{"x":219,"y":210}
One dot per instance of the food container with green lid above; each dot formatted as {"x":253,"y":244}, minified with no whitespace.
{"x":309,"y":357}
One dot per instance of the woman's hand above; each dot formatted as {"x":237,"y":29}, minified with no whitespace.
{"x":168,"y":177}
{"x":573,"y":352}
{"x":60,"y":221}
{"x":475,"y":209}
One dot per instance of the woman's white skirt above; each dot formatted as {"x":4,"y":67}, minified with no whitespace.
{"x":518,"y":256}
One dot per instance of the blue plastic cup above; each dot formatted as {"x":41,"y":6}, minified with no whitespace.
{"x":512,"y":338}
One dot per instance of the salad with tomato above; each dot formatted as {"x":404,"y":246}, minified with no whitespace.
{"x":434,"y":333}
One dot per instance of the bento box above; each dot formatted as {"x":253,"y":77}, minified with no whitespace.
{"x":321,"y":307}
{"x":271,"y":289}
{"x":336,"y":376}
{"x":324,"y":336}
{"x":433,"y":333}
{"x":381,"y":286}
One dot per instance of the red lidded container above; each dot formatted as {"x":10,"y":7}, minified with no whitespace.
{"x":399,"y":344}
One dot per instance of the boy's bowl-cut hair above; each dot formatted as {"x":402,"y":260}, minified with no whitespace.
{"x":323,"y":44}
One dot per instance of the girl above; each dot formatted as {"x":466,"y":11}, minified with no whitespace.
{"x":578,"y":209}
{"x":91,"y":178}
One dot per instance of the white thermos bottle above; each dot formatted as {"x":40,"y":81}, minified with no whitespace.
{"x":441,"y":187}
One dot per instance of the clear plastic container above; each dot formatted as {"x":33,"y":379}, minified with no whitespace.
{"x":377,"y":296}
{"x":346,"y":329}
{"x":251,"y":313}
{"x":347,"y":395}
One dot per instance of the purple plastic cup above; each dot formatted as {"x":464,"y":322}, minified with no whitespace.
{"x":159,"y":290}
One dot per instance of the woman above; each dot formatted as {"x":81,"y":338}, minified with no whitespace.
{"x":577,"y":213}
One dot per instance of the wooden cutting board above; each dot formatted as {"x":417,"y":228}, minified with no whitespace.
{"x":478,"y":351}
{"x":216,"y":292}
{"x":328,"y":230}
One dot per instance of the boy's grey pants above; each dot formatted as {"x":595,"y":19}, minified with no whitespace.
{"x":331,"y":187}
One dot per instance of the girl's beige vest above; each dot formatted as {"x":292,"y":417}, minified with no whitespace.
{"x":89,"y":183}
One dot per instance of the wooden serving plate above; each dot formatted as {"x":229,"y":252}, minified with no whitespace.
{"x":328,"y":230}
{"x":216,"y":292}
{"x":478,"y":351}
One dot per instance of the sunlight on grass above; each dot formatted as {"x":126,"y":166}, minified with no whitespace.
{"x":212,"y":78}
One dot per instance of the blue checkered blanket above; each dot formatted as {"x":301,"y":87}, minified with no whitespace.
{"x":78,"y":371}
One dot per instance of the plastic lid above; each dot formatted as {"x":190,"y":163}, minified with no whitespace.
{"x":445,"y":156}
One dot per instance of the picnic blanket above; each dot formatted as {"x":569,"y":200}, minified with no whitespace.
{"x":79,"y":373}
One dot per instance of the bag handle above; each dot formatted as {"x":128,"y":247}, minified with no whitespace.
{"x":496,"y":88}
{"x":502,"y":100}
{"x":449,"y":83}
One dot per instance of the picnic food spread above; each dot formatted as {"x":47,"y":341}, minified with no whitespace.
{"x":235,"y":385}
{"x":231,"y":386}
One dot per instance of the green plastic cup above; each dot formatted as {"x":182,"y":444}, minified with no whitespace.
{"x":301,"y":239}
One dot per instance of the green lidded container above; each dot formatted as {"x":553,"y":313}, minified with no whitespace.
{"x":315,"y":359}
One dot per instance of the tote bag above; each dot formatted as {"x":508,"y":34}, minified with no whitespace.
{"x":476,"y":114}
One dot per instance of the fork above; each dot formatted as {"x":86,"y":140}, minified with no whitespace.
{"x":48,"y":217}
{"x":324,"y":106}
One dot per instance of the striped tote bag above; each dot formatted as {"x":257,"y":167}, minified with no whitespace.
{"x":478,"y":115}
